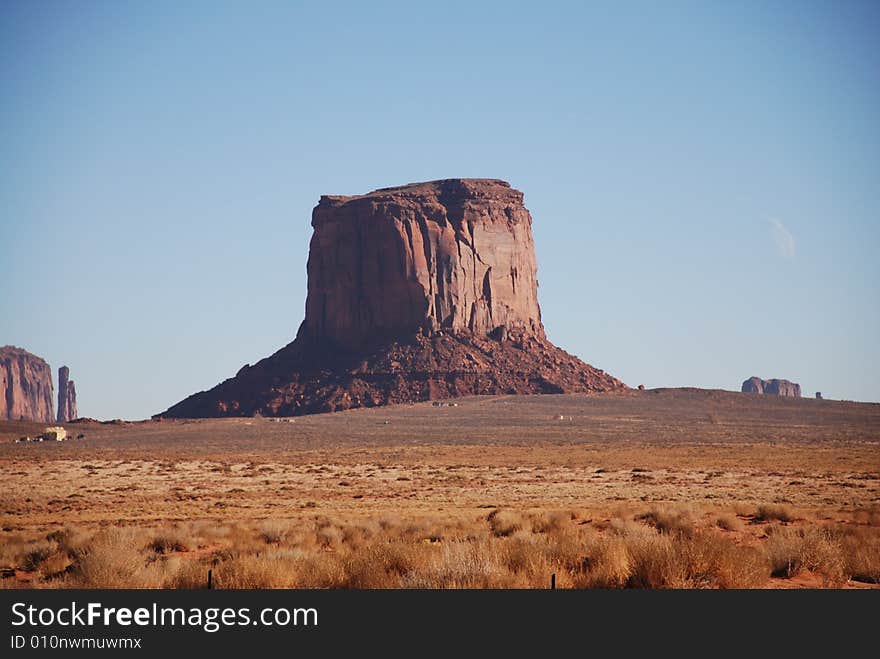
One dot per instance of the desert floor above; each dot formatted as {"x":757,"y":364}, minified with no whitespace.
{"x":586,"y":460}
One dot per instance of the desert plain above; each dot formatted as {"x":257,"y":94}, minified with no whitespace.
{"x":665,"y":488}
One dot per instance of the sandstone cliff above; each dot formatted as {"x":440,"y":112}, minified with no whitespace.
{"x":445,"y":255}
{"x":782,"y":388}
{"x":755,"y":385}
{"x":66,"y":396}
{"x":417,"y":292}
{"x":26,"y":390}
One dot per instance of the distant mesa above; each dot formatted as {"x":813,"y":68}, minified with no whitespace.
{"x":26,"y":390}
{"x":755,"y":385}
{"x":421,"y":292}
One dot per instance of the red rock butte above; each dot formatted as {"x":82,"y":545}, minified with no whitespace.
{"x":445,"y":255}
{"x":26,"y":390}
{"x":418,"y":292}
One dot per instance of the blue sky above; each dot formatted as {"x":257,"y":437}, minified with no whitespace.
{"x":704,"y":177}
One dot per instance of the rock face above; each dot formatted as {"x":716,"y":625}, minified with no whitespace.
{"x":756,"y":385}
{"x":26,"y":390}
{"x":447,"y":255}
{"x":753,"y":385}
{"x":782,"y":388}
{"x":418,"y":292}
{"x":66,"y":396}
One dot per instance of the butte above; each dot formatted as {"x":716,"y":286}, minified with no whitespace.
{"x":420,"y":292}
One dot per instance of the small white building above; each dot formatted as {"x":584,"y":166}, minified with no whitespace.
{"x":56,"y":433}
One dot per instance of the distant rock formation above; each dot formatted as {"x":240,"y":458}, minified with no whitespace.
{"x":26,"y":390}
{"x":66,"y":396}
{"x":418,"y":292}
{"x":782,"y":388}
{"x":755,"y":385}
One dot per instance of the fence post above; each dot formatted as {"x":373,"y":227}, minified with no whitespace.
{"x":211,"y":579}
{"x":553,"y":581}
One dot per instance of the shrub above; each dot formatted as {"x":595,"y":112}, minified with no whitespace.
{"x":272,"y":533}
{"x":861,"y":555}
{"x":188,"y":575}
{"x":55,"y":565}
{"x":504,"y":523}
{"x":328,"y":536}
{"x":714,"y":561}
{"x":565,"y":550}
{"x":768,"y":513}
{"x":606,"y":565}
{"x":270,"y":569}
{"x":37,"y":552}
{"x":792,"y":550}
{"x":459,"y":565}
{"x":728,"y":523}
{"x":167,"y":542}
{"x":655,"y":563}
{"x":702,"y":560}
{"x":112,"y":560}
{"x":551,"y":522}
{"x":669,"y":521}
{"x":380,"y":565}
{"x":319,"y":570}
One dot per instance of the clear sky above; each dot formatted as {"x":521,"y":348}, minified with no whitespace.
{"x":704,"y":177}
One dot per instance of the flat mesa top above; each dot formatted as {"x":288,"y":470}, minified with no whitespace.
{"x":15,"y":351}
{"x":476,"y":187}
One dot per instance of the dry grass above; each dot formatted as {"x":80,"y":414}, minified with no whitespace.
{"x":698,"y":559}
{"x":657,"y":548}
{"x":112,"y":559}
{"x":816,"y":549}
{"x":607,"y":563}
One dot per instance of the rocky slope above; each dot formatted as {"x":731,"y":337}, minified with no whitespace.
{"x":418,"y":292}
{"x":312,"y":376}
{"x":26,"y":390}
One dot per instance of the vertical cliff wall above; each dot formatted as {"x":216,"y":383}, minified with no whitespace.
{"x":66,"y":396}
{"x":26,"y":390}
{"x":774,"y":387}
{"x":455,"y":254}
